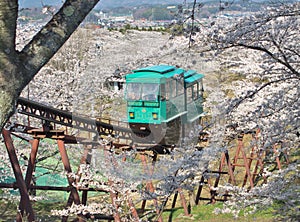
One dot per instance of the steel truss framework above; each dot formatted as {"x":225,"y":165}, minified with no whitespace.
{"x":251,"y":160}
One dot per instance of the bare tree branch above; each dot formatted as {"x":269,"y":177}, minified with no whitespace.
{"x":251,"y":94}
{"x":258,"y":48}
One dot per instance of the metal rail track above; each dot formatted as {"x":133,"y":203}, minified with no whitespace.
{"x":65,"y":118}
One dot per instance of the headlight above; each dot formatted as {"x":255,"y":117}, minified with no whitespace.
{"x":155,"y":115}
{"x":131,"y":115}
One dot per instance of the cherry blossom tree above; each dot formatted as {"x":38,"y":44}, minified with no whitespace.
{"x":261,"y":51}
{"x":19,"y":67}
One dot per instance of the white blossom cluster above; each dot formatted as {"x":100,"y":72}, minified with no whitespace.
{"x":261,"y":52}
{"x":93,"y":208}
{"x":264,"y":97}
{"x":281,"y":188}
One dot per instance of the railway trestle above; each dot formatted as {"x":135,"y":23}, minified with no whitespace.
{"x":55,"y":126}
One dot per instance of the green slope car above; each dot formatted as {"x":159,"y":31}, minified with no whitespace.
{"x":162,"y":99}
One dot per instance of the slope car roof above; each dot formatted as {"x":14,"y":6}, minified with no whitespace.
{"x":156,"y":73}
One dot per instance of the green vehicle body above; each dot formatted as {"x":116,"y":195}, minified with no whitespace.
{"x":160,"y":94}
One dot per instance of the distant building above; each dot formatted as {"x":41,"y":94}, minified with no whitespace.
{"x":114,"y":83}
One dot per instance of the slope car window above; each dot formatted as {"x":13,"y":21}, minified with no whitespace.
{"x":150,"y":91}
{"x":173,"y":88}
{"x":180,"y":87}
{"x":195,"y":91}
{"x":168,"y":89}
{"x":189,"y":94}
{"x":162,"y":92}
{"x":201,"y":89}
{"x":134,"y":91}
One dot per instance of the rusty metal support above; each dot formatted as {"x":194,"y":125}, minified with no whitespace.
{"x":65,"y":159}
{"x":276,"y":153}
{"x":224,"y":158}
{"x":213,"y":192}
{"x":30,"y":168}
{"x":199,"y":191}
{"x":224,"y":161}
{"x":173,"y":205}
{"x":53,"y":188}
{"x":230,"y":168}
{"x":143,"y":206}
{"x":241,"y":154}
{"x":67,"y":166}
{"x":149,"y":184}
{"x":133,"y":210}
{"x":259,"y":163}
{"x":245,"y":160}
{"x":254,"y":154}
{"x":249,"y":164}
{"x":134,"y":213}
{"x":247,"y":167}
{"x":25,"y":201}
{"x":31,"y":162}
{"x":235,"y":160}
{"x":183,"y":202}
{"x":85,"y":159}
{"x":113,"y":194}
{"x":113,"y":197}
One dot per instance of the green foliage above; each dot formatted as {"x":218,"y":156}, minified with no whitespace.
{"x":206,"y":213}
{"x":176,"y":30}
{"x":123,"y":31}
{"x":127,"y":26}
{"x":158,"y":12}
{"x":161,"y":14}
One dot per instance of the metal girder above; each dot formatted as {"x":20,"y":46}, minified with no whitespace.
{"x":74,"y":196}
{"x":52,"y":188}
{"x":113,"y":195}
{"x":118,"y":130}
{"x":65,"y":118}
{"x":25,"y":203}
{"x":51,"y":134}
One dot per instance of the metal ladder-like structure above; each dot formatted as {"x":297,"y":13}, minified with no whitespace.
{"x":57,"y":124}
{"x":53,"y":118}
{"x":243,"y":167}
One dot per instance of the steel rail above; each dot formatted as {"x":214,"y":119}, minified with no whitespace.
{"x":65,"y":118}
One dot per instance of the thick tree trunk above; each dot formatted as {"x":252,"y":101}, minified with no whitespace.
{"x":8,"y":58}
{"x":17,"y":69}
{"x":8,"y":96}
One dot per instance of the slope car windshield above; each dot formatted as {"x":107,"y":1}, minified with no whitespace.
{"x":142,"y":91}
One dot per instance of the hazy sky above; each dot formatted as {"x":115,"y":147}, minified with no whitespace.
{"x":39,"y":3}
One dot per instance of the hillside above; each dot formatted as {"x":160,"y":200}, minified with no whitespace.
{"x":76,"y":75}
{"x":105,"y":4}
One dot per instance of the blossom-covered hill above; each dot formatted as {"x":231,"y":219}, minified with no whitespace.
{"x":75,"y":76}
